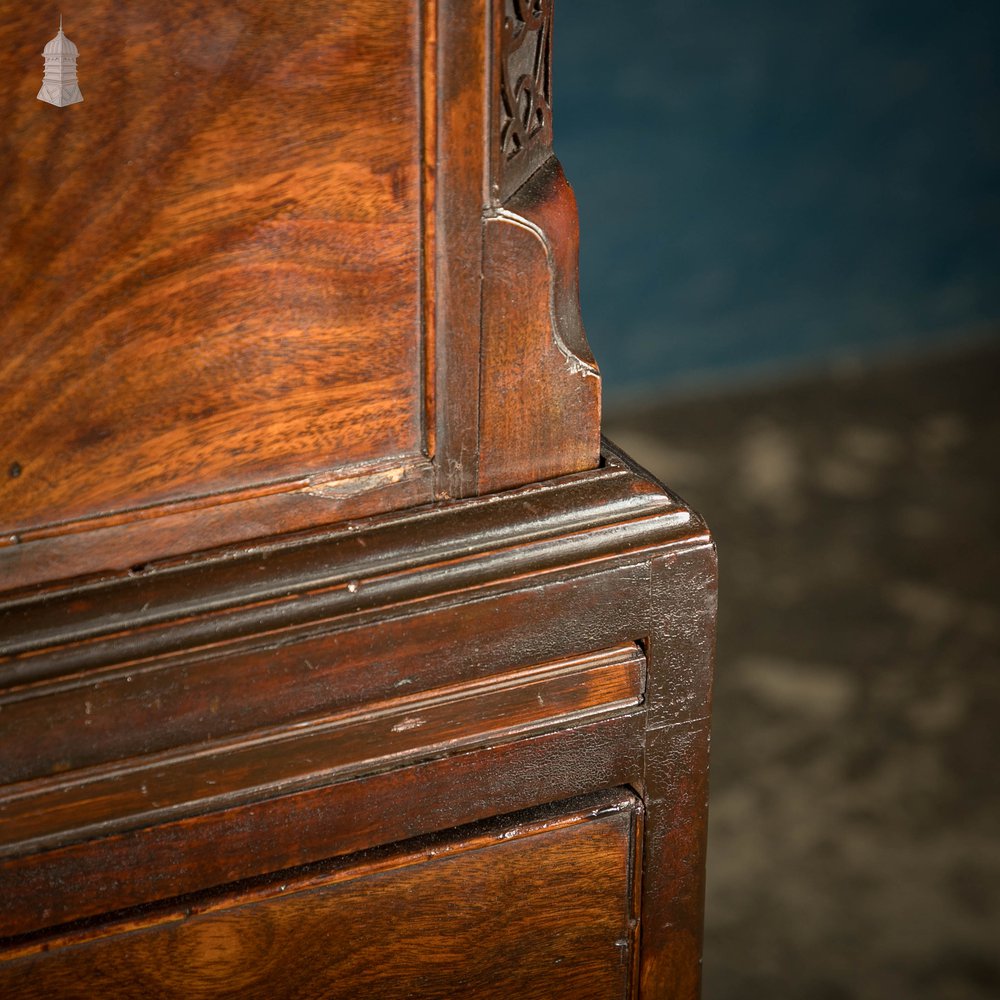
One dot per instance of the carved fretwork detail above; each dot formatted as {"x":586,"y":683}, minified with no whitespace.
{"x":524,"y":134}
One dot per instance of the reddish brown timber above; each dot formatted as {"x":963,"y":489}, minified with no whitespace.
{"x":553,"y":911}
{"x":582,"y":518}
{"x":84,"y":804}
{"x":188,"y":855}
{"x":540,"y":388}
{"x":206,"y":303}
{"x":142,"y":707}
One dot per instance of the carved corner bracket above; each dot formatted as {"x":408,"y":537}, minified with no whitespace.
{"x":540,"y":390}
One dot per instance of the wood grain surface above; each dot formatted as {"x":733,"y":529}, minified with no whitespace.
{"x":431,"y":598}
{"x":138,"y":867}
{"x":131,"y":709}
{"x":209,"y":268}
{"x":540,"y":395}
{"x":531,"y":907}
{"x":356,"y":567}
{"x":392,"y":733}
{"x":285,"y":276}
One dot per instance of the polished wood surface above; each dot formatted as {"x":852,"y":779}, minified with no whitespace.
{"x":538,"y":905}
{"x":477,"y":603}
{"x":174,"y":858}
{"x":533,"y":339}
{"x":332,"y":286}
{"x":209,"y":268}
{"x":130,"y":709}
{"x":323,"y":750}
{"x":309,"y":543}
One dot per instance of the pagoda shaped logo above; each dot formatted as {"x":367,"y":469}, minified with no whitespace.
{"x":59,"y":86}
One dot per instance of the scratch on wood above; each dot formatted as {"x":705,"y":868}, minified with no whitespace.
{"x":341,"y":489}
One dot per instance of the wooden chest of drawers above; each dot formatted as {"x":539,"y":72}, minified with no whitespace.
{"x":338,"y":655}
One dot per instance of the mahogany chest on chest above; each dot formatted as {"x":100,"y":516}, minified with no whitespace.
{"x":339,"y":655}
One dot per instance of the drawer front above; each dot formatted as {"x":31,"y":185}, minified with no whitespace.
{"x":437,"y":724}
{"x":316,"y":744}
{"x":311,"y":673}
{"x":536,"y":905}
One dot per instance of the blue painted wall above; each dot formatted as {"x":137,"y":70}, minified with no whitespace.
{"x":776,"y":183}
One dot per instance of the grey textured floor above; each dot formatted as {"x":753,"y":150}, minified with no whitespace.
{"x":855,"y":813}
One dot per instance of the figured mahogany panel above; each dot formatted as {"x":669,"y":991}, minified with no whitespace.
{"x":535,"y":906}
{"x":209,"y":268}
